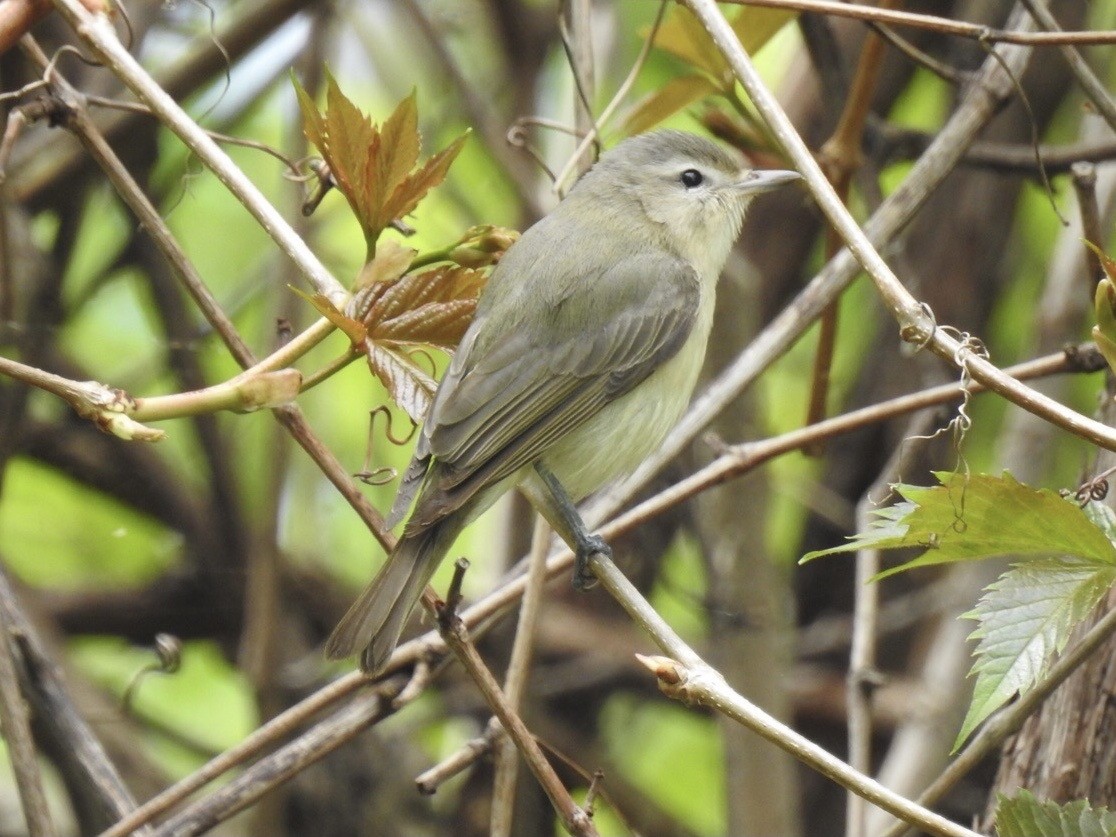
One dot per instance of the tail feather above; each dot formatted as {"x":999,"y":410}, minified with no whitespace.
{"x":376,"y":620}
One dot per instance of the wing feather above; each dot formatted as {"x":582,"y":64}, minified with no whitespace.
{"x":500,"y":411}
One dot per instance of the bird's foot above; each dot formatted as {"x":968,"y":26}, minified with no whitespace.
{"x":583,"y":578}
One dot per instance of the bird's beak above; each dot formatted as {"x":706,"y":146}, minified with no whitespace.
{"x":757,"y":181}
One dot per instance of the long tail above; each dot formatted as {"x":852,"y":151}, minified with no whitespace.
{"x":376,"y":620}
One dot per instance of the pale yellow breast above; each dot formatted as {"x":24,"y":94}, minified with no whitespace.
{"x":617,"y":439}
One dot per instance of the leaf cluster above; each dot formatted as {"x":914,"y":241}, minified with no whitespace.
{"x":1026,"y":617}
{"x":375,"y":167}
{"x":397,"y":306}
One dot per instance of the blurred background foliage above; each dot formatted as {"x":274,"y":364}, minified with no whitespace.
{"x":114,"y":542}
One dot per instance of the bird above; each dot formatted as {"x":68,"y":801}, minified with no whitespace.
{"x":583,"y":353}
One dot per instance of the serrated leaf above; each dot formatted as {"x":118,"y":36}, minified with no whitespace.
{"x":387,"y":266}
{"x":676,"y":94}
{"x":398,"y":151}
{"x":1103,"y":518}
{"x":406,"y":194}
{"x":373,"y":167}
{"x":1025,"y":618}
{"x":980,"y":516}
{"x":433,"y":307}
{"x":410,"y":387}
{"x":1024,"y":815}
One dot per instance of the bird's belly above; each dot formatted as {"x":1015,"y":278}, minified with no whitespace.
{"x":616,"y":440}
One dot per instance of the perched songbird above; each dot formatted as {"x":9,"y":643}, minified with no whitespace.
{"x":584,"y":352}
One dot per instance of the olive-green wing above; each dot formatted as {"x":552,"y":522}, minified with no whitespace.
{"x":500,"y":409}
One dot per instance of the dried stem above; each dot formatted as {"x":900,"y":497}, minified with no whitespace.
{"x":274,"y":730}
{"x":1094,"y":88}
{"x":515,"y":681}
{"x":16,"y":720}
{"x":456,"y":637}
{"x":943,"y":25}
{"x":916,"y":322}
{"x":322,"y":739}
{"x":687,"y":677}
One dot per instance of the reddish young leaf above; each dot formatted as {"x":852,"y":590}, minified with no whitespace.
{"x":442,"y":325}
{"x":413,"y":188}
{"x":373,"y":167}
{"x":433,"y":307}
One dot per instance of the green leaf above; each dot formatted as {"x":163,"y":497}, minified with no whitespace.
{"x":1026,"y":617}
{"x":683,"y":36}
{"x":676,"y":94}
{"x":980,"y":516}
{"x":755,"y":26}
{"x":1026,"y":816}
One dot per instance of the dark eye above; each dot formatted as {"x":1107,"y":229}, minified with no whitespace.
{"x":691,"y":178}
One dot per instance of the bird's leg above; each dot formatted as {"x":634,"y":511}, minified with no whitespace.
{"x":553,"y":503}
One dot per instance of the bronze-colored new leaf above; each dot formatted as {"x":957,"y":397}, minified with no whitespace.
{"x":373,"y":167}
{"x":433,"y":307}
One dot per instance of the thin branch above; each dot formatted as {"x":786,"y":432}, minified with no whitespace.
{"x":65,"y":734}
{"x":97,"y":32}
{"x":322,"y":739}
{"x":687,"y":677}
{"x":916,"y":323}
{"x":863,"y":678}
{"x":17,"y":734}
{"x":894,"y":142}
{"x":515,"y":680}
{"x":57,"y":164}
{"x":593,"y":135}
{"x":456,"y":636}
{"x":1085,"y":186}
{"x":1094,"y":88}
{"x":942,"y":25}
{"x":274,"y":730}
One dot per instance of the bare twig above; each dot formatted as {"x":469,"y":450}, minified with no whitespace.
{"x":466,"y":756}
{"x":863,"y":678}
{"x":519,"y":666}
{"x":840,"y":157}
{"x":1085,"y":186}
{"x":1094,"y":88}
{"x":456,"y":636}
{"x":97,"y":32}
{"x":687,"y":677}
{"x":323,"y":738}
{"x":58,"y":164}
{"x":275,"y":729}
{"x":17,"y":733}
{"x":593,"y":135}
{"x":65,"y":733}
{"x":943,"y":25}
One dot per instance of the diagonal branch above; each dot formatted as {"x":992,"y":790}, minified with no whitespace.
{"x":916,"y":323}
{"x":97,"y":32}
